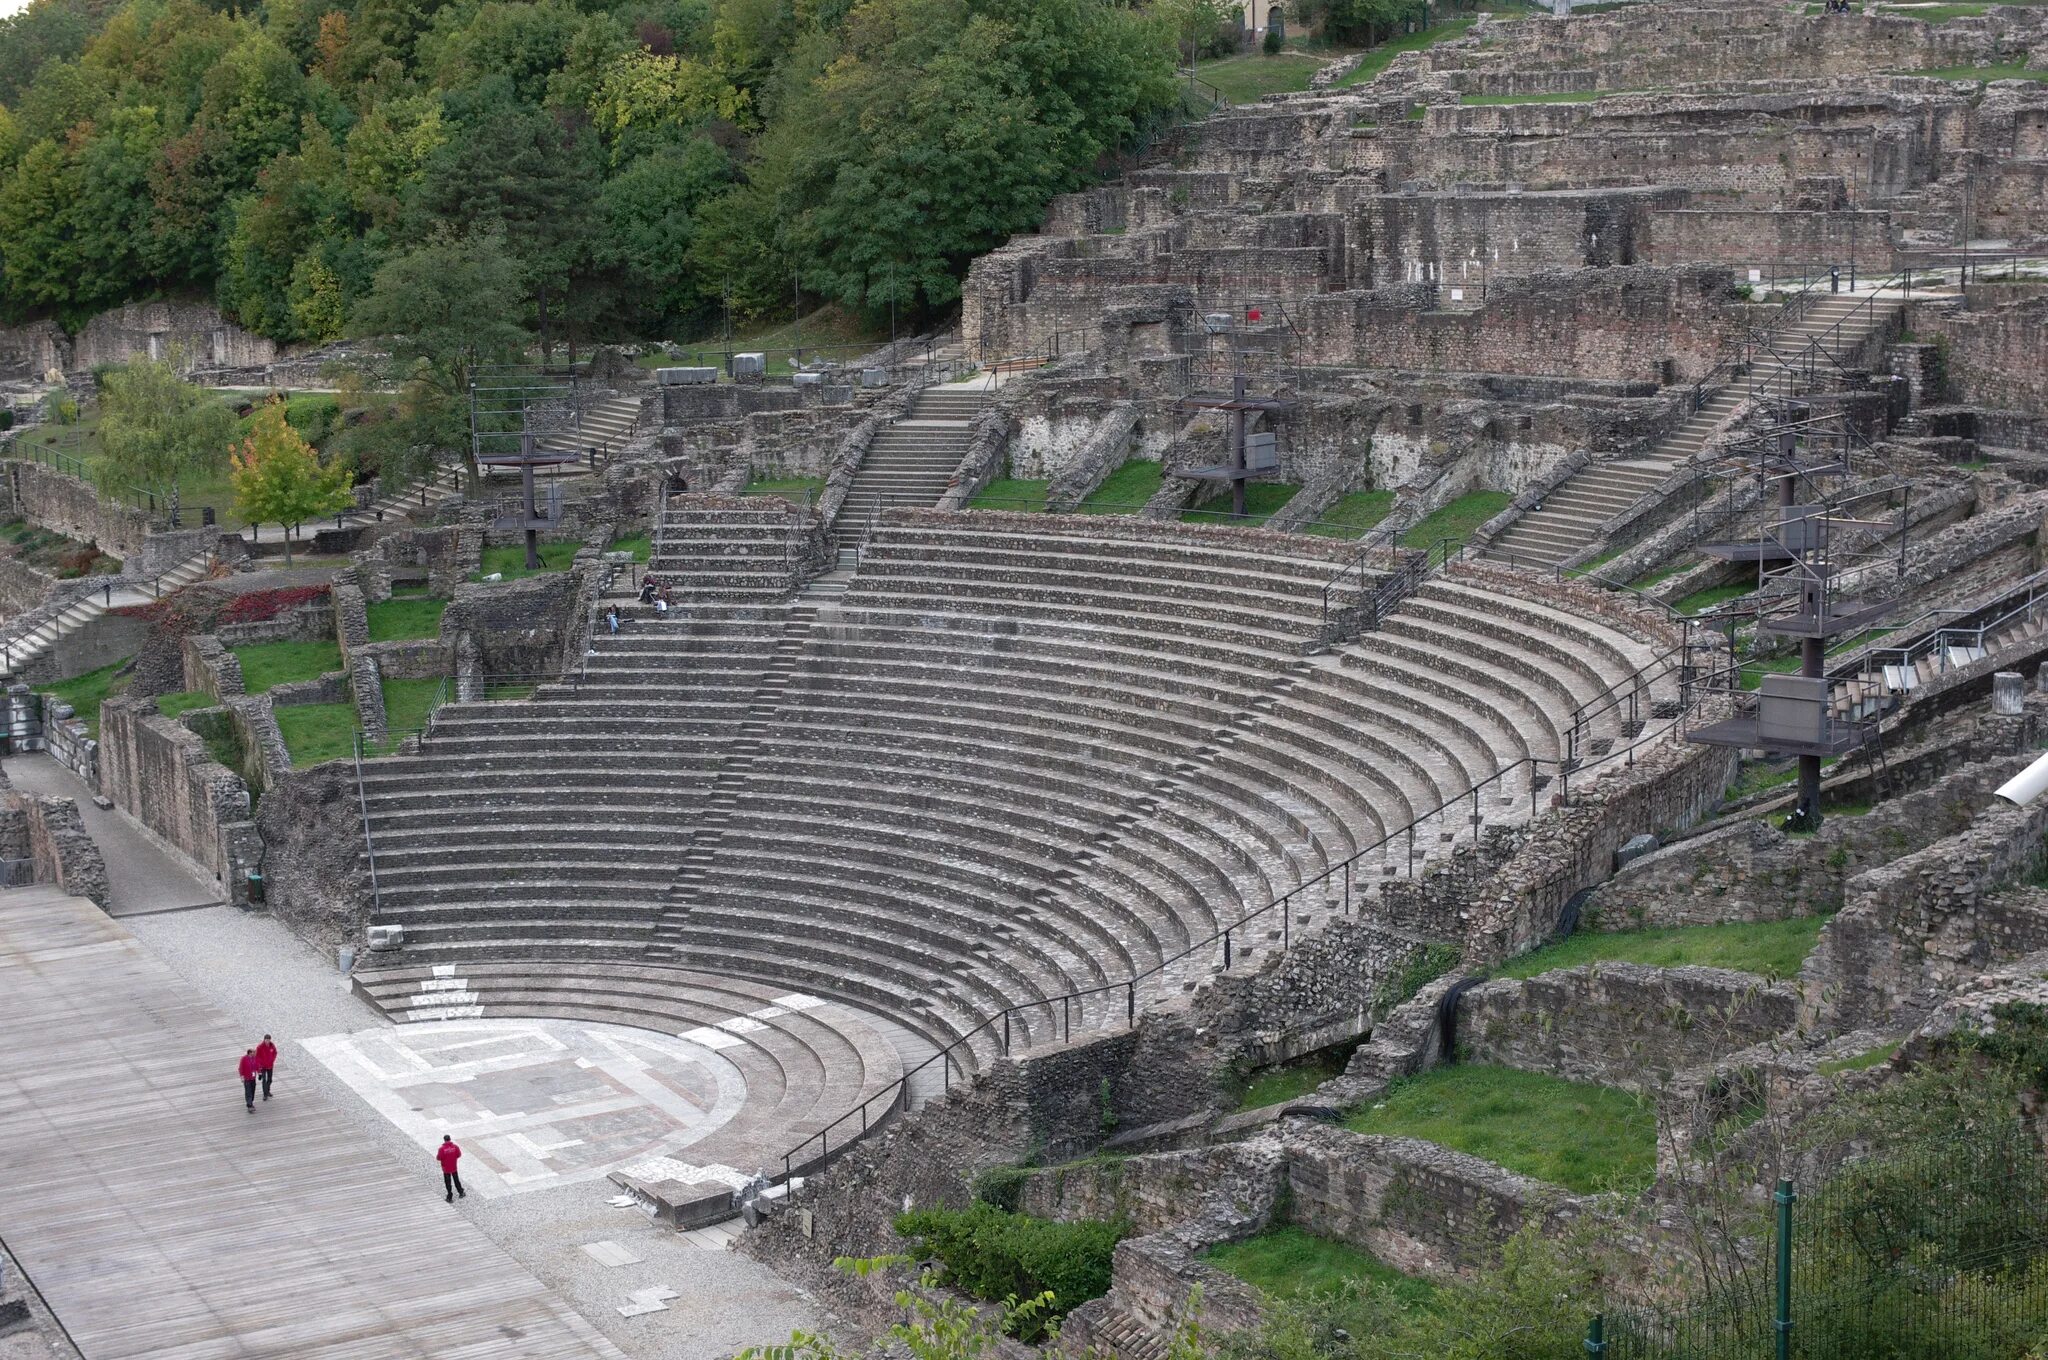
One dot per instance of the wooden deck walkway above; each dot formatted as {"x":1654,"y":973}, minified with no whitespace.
{"x":160,"y":1218}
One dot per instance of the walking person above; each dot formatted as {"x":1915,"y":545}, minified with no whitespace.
{"x":448,"y":1154}
{"x":247,"y":1067}
{"x":266,"y":1062}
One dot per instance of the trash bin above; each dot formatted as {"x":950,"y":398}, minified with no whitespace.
{"x":255,"y":881}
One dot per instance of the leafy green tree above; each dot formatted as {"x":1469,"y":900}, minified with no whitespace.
{"x":156,"y":427}
{"x":443,"y":308}
{"x":38,"y":254}
{"x":277,"y":477}
{"x":649,"y":214}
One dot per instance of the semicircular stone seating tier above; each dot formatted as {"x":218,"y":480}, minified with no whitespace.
{"x":1022,"y":756}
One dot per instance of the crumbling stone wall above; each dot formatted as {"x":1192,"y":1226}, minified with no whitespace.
{"x":187,"y":335}
{"x":312,"y":837}
{"x":161,"y":774}
{"x":64,"y":504}
{"x":1915,"y":927}
{"x":64,"y":853}
{"x":1620,"y":1024}
{"x":1993,"y":356}
{"x":517,"y":628}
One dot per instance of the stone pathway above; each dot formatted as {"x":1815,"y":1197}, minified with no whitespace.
{"x":141,"y":875}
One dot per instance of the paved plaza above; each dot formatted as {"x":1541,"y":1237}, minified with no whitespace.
{"x":538,"y":1103}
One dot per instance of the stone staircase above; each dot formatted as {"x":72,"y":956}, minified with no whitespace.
{"x":1016,"y":759}
{"x":1570,"y":518}
{"x":20,"y":646}
{"x":709,"y":551}
{"x":911,"y":462}
{"x":607,"y":427}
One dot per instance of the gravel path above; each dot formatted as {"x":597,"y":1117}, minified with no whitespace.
{"x":141,"y":875}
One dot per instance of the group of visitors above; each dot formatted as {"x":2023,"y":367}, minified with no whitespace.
{"x":1837,"y":6}
{"x":259,"y":1065}
{"x":652,"y":591}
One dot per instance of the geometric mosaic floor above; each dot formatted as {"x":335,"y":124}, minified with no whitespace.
{"x":538,"y":1103}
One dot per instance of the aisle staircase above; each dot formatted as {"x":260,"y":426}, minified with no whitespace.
{"x":607,"y":428}
{"x":19,"y":647}
{"x":911,"y":462}
{"x":1570,"y":519}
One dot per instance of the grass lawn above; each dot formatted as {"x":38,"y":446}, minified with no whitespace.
{"x":1592,"y":568}
{"x":407,"y":616}
{"x":2011,"y":71}
{"x":1772,"y":949}
{"x":1245,"y":79}
{"x":1458,"y":519}
{"x":1291,"y":1082}
{"x":828,"y":332}
{"x":1584,"y":1138}
{"x":408,"y":702}
{"x":269,"y":664}
{"x":184,"y":701}
{"x":1286,"y":1263}
{"x":86,"y":692}
{"x":317,"y":732}
{"x":509,"y":560}
{"x":1661,"y":574}
{"x":786,"y":486}
{"x":1753,"y":672}
{"x":1261,"y":501}
{"x":1376,"y":60}
{"x":1022,"y":494}
{"x":1859,"y":1062}
{"x":640,"y":545}
{"x":1702,"y":600}
{"x":1936,"y":14}
{"x":1349,"y":516}
{"x":1124,"y":490}
{"x":1561,"y":97}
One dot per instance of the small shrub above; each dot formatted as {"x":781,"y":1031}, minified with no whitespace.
{"x":1001,"y":1185}
{"x":1271,"y":43}
{"x":260,"y":606}
{"x":994,"y":1254}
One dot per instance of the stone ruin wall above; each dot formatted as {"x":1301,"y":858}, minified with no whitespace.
{"x":1994,"y":356}
{"x":161,"y":774}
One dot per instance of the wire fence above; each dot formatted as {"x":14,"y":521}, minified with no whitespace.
{"x":1938,"y":1253}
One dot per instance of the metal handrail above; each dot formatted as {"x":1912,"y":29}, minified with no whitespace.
{"x":897,"y":1095}
{"x":369,"y":844}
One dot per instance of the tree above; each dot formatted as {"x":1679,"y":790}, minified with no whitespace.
{"x":443,"y":308}
{"x":155,"y":427}
{"x":278,"y":477}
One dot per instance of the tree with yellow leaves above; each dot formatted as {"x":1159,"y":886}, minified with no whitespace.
{"x":278,"y":477}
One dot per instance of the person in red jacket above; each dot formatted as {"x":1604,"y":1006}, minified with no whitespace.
{"x":248,"y":1069}
{"x":448,"y":1154}
{"x":266,"y":1060}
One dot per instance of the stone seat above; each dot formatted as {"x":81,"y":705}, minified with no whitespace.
{"x":1273,"y":631}
{"x":1262,"y":577}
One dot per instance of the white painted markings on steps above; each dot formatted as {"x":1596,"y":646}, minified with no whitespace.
{"x":722,"y":1033}
{"x":610,"y":1253}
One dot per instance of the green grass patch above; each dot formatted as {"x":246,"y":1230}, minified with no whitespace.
{"x":798,"y":487}
{"x":1377,"y":60}
{"x":1759,"y":777}
{"x":1861,"y":1061}
{"x":1753,"y":672}
{"x":2009,"y":71}
{"x":1125,"y":490}
{"x":1262,"y":500}
{"x":1937,"y":14}
{"x":1592,"y":568}
{"x":50,"y":552}
{"x":640,"y":545}
{"x":1287,"y":1263}
{"x":184,"y":701}
{"x":1702,"y":600}
{"x":1660,"y":575}
{"x":1244,"y":80}
{"x":317,"y":732}
{"x":266,"y":665}
{"x":509,"y":560}
{"x":829,"y":332}
{"x":407,"y":703}
{"x":1561,"y":97}
{"x":1021,"y":494}
{"x":1772,"y":949}
{"x":1458,"y":520}
{"x":1584,"y":1138}
{"x":1351,"y":515}
{"x":85,"y":693}
{"x":1279,"y":1084}
{"x":402,"y":617}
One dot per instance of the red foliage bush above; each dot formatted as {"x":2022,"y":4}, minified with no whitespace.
{"x":260,"y":606}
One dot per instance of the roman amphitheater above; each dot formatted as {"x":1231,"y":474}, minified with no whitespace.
{"x":1580,"y":482}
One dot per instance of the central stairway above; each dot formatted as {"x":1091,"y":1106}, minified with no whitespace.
{"x":911,"y":462}
{"x":1570,"y":518}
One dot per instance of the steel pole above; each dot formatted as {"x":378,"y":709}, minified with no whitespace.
{"x":1783,"y":1199}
